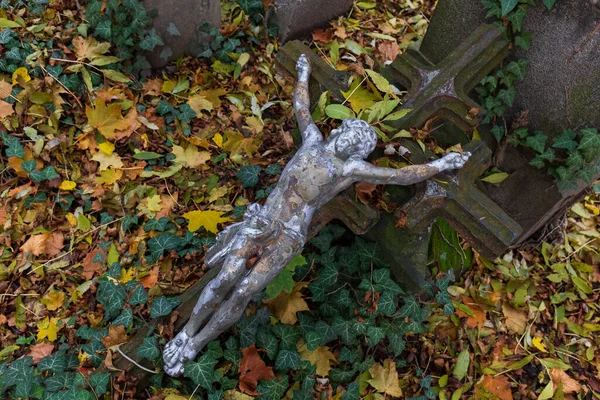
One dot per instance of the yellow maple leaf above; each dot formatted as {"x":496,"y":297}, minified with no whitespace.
{"x":48,"y":329}
{"x":126,"y":275}
{"x":154,"y":203}
{"x":53,"y":299}
{"x":200,"y":103}
{"x":72,"y":219}
{"x":89,"y":47}
{"x":236,"y":143}
{"x":320,"y":357}
{"x":286,"y":305}
{"x":109,"y":177}
{"x":21,"y":75}
{"x":107,"y":119}
{"x":67,"y":185}
{"x":190,"y":157}
{"x":207,"y":219}
{"x":107,"y":148}
{"x":218,"y":139}
{"x":537,"y":342}
{"x":106,"y":161}
{"x":385,"y":378}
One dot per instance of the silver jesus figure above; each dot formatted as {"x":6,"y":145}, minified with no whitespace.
{"x":277,"y":231}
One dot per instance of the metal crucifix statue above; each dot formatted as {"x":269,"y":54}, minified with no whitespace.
{"x":277,"y":231}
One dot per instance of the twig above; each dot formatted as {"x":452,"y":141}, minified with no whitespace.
{"x":133,"y":362}
{"x":586,"y":40}
{"x":63,"y":85}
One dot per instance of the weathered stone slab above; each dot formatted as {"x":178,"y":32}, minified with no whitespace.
{"x":178,"y":24}
{"x":298,"y":18}
{"x":442,"y":90}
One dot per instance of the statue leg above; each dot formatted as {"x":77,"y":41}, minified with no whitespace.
{"x":266,"y":269}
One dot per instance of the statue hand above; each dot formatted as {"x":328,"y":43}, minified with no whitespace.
{"x":303,"y":67}
{"x":453,"y":161}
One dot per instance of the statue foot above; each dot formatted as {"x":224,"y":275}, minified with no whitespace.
{"x":173,"y":352}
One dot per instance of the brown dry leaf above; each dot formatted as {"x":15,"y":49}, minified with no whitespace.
{"x":133,"y":124}
{"x":5,"y":89}
{"x":286,"y":305}
{"x":6,"y":109}
{"x":364,"y":191}
{"x":569,"y":384}
{"x":3,"y":214}
{"x":339,"y":31}
{"x":499,"y":386}
{"x":40,"y":351}
{"x":116,"y":335}
{"x":516,"y":320}
{"x":54,"y":243}
{"x":153,"y":87}
{"x":53,"y":299}
{"x":36,"y":244}
{"x":321,"y":357}
{"x":167,"y":203}
{"x":91,"y":267}
{"x":252,"y":368}
{"x":385,"y":378}
{"x":477,"y":319}
{"x":389,"y":50}
{"x":324,"y":36}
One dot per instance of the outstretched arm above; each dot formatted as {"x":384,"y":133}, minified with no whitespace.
{"x":362,"y":171}
{"x":307,"y":127}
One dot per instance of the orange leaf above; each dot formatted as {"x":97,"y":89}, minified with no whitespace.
{"x":389,"y":50}
{"x":365,"y":191}
{"x":54,"y":243}
{"x":252,"y":368}
{"x":477,"y":319}
{"x":91,"y":267}
{"x":40,"y":351}
{"x":325,"y":36}
{"x":36,"y":244}
{"x":6,"y":109}
{"x":569,"y":384}
{"x":498,"y":386}
{"x":116,"y":335}
{"x":3,"y":214}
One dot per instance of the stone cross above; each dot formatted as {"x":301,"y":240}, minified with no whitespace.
{"x":455,"y":198}
{"x":442,"y":90}
{"x":432,"y":91}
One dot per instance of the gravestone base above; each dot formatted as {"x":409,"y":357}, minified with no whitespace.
{"x":298,"y":18}
{"x":178,"y":24}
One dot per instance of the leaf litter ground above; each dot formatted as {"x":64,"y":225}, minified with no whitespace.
{"x":112,"y":188}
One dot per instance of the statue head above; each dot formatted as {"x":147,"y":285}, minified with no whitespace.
{"x":355,"y":138}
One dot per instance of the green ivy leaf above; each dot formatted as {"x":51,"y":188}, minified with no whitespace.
{"x":386,"y":304}
{"x":508,"y":6}
{"x":565,"y":185}
{"x":410,"y":308}
{"x":516,"y":17}
{"x":589,"y":140}
{"x":498,"y":131}
{"x":55,"y":362}
{"x":161,"y":307}
{"x":202,"y":371}
{"x":518,"y":68}
{"x":588,"y":173}
{"x":47,"y":173}
{"x":508,"y":96}
{"x":524,"y":40}
{"x":313,"y":340}
{"x":139,"y":296}
{"x":104,"y":29}
{"x":13,"y":146}
{"x":549,"y":3}
{"x":125,"y":319}
{"x":248,"y":175}
{"x":287,"y":360}
{"x":112,"y":297}
{"x":345,"y":330}
{"x":268,"y":342}
{"x":273,"y":169}
{"x":100,"y":383}
{"x":537,"y":162}
{"x":565,"y":141}
{"x":161,"y":243}
{"x":537,"y":142}
{"x":289,"y":335}
{"x":273,"y":389}
{"x":149,"y":349}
